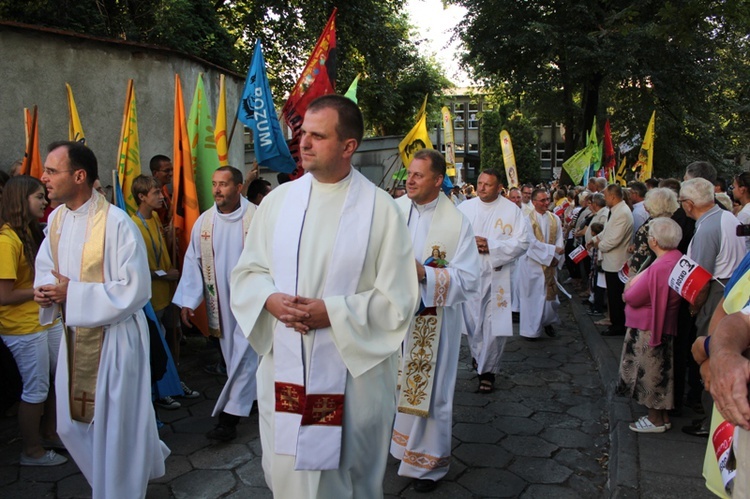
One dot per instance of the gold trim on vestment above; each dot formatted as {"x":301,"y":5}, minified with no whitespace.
{"x":84,"y":352}
{"x":425,"y":461}
{"x":419,"y":369}
{"x":549,"y":270}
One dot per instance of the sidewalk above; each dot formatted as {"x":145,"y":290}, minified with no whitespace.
{"x":665,"y":465}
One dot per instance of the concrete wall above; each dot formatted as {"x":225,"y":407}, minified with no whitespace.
{"x":36,"y":64}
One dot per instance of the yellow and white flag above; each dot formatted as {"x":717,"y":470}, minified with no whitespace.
{"x":129,"y":155}
{"x":644,"y":167}
{"x":509,"y":159}
{"x":75,"y":130}
{"x":417,"y":138}
{"x":450,"y":143}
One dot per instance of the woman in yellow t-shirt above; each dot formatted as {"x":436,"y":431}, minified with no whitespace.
{"x":34,"y":347}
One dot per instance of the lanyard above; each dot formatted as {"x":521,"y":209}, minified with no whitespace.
{"x":153,"y":243}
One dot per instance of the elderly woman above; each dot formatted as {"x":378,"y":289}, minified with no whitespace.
{"x":646,"y":365}
{"x":660,"y":202}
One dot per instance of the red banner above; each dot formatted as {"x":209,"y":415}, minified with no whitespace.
{"x":317,"y":79}
{"x":688,"y":279}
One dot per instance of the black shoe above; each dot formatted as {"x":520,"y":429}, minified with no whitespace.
{"x":424,"y":485}
{"x":223,"y":433}
{"x":254,"y":408}
{"x":696,"y":406}
{"x":697,"y":429}
{"x":550,"y":331}
{"x":613,"y":332}
{"x":516,"y":317}
{"x":529,"y":339}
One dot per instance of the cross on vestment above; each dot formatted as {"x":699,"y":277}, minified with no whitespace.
{"x":324,"y":409}
{"x":84,"y":400}
{"x":205,"y":235}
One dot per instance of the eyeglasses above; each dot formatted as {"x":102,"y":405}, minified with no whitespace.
{"x":52,"y":172}
{"x":684,"y":200}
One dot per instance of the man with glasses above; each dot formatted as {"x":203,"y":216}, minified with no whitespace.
{"x":538,"y":288}
{"x":93,"y":269}
{"x":526,"y":205}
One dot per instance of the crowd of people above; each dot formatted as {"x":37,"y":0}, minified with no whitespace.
{"x":338,"y":311}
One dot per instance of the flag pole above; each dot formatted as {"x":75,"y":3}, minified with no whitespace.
{"x":388,"y":170}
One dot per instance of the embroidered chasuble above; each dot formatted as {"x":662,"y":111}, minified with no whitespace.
{"x":367,"y":328}
{"x":84,"y":354}
{"x":550,"y":284}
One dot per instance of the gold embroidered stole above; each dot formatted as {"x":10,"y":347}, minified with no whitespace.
{"x":85,"y":352}
{"x":549,"y":271}
{"x":421,"y":344}
{"x":208,"y":265}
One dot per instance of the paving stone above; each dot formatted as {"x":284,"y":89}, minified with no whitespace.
{"x":477,"y":433}
{"x":554,"y":375}
{"x":528,"y":380}
{"x":564,"y":437}
{"x":457,"y":468}
{"x":72,"y":487}
{"x":182,"y":444}
{"x":50,"y":473}
{"x":158,"y":491}
{"x":202,"y":409}
{"x":203,"y":484}
{"x":471,"y":414}
{"x":509,"y":409}
{"x":444,"y":490}
{"x":251,"y":473}
{"x":8,"y":474}
{"x":587,"y":486}
{"x":221,"y":456}
{"x":528,"y":446}
{"x":545,"y":404}
{"x":543,"y":363}
{"x":591,"y":380}
{"x":684,"y":457}
{"x":590,"y":411}
{"x":579,"y":462}
{"x":483,"y":455}
{"x":576,"y":368}
{"x":667,"y":486}
{"x":555,"y":420}
{"x":549,"y":492}
{"x":175,"y":466}
{"x":517,"y":426}
{"x":470,"y":399}
{"x":492,"y":483}
{"x":254,"y":492}
{"x":536,"y":470}
{"x":509,"y":357}
{"x":393,"y":484}
{"x":170,"y":416}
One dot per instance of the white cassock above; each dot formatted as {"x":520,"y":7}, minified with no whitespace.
{"x":423,"y":445}
{"x":490,"y":320}
{"x":367,"y":329}
{"x":239,"y":391}
{"x":536,"y":310}
{"x":120,"y":451}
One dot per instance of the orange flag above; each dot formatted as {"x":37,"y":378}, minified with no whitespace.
{"x":32,"y":158}
{"x":317,"y":79}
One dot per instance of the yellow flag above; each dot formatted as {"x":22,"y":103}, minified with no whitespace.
{"x":220,"y":130}
{"x":509,"y":159}
{"x":129,"y":155}
{"x":620,"y":175}
{"x":75,"y":130}
{"x":417,"y":138}
{"x":450,"y":144}
{"x":644,"y":167}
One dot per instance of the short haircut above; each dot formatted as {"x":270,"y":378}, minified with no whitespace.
{"x":597,"y":228}
{"x":258,"y":187}
{"x":598,"y":199}
{"x":639,"y":188}
{"x":666,"y":231}
{"x":143,"y":184}
{"x":236,"y":174}
{"x":80,"y":157}
{"x":437,"y":161}
{"x":743,"y":179}
{"x":671,"y":183}
{"x":536,"y":192}
{"x":495,"y":173}
{"x":721,"y":183}
{"x":698,"y":190}
{"x":514,"y":189}
{"x":661,"y":202}
{"x":350,"y":124}
{"x":701,"y":169}
{"x":156,"y":161}
{"x":615,"y":190}
{"x":651,"y":183}
{"x":527,"y":186}
{"x":601,"y":183}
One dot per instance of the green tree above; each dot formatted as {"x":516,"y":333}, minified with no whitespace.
{"x":523,"y":135}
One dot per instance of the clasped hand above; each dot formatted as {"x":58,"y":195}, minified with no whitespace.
{"x":297,"y":312}
{"x":49,"y":294}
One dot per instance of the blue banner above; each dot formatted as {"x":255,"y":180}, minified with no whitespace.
{"x":257,"y":111}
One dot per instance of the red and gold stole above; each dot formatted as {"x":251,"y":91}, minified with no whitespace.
{"x":550,"y":284}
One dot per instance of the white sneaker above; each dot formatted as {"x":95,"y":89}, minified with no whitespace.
{"x":168,"y":403}
{"x":50,"y":458}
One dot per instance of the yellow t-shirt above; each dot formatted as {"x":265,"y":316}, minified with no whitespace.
{"x":19,"y":318}
{"x":158,"y":258}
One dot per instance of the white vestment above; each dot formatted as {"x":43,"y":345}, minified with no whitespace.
{"x":239,"y":392}
{"x":536,"y":310}
{"x":423,"y":445}
{"x":367,"y":329}
{"x":120,"y":451}
{"x":502,"y":223}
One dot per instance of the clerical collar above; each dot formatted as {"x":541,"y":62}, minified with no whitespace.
{"x":425,"y":207}
{"x":236,"y":214}
{"x":83,"y":209}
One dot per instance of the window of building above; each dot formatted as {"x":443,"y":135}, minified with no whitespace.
{"x":473,"y":107}
{"x":458,"y":123}
{"x":460,"y":147}
{"x":473,"y":147}
{"x":473,"y":121}
{"x":459,"y":107}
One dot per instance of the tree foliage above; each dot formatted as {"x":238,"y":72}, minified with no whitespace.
{"x":525,"y":141}
{"x":570,"y":60}
{"x":372,"y":40}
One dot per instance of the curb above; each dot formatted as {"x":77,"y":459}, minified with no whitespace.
{"x":623,"y":449}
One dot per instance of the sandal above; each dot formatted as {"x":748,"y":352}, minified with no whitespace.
{"x":474,"y":365}
{"x":486,"y":386}
{"x":644,"y":425}
{"x":603,"y":322}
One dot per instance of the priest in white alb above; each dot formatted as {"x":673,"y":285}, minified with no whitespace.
{"x":325,"y":295}
{"x":92,"y":268}
{"x":538,"y":289}
{"x":216,"y":243}
{"x":500,"y":232}
{"x":448,"y":270}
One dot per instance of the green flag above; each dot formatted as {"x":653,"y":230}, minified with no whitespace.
{"x":352,"y":92}
{"x":202,"y":145}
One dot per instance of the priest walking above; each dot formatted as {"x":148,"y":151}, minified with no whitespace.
{"x":325,"y":295}
{"x":500,"y":232}
{"x":216,"y":242}
{"x":447,"y":265}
